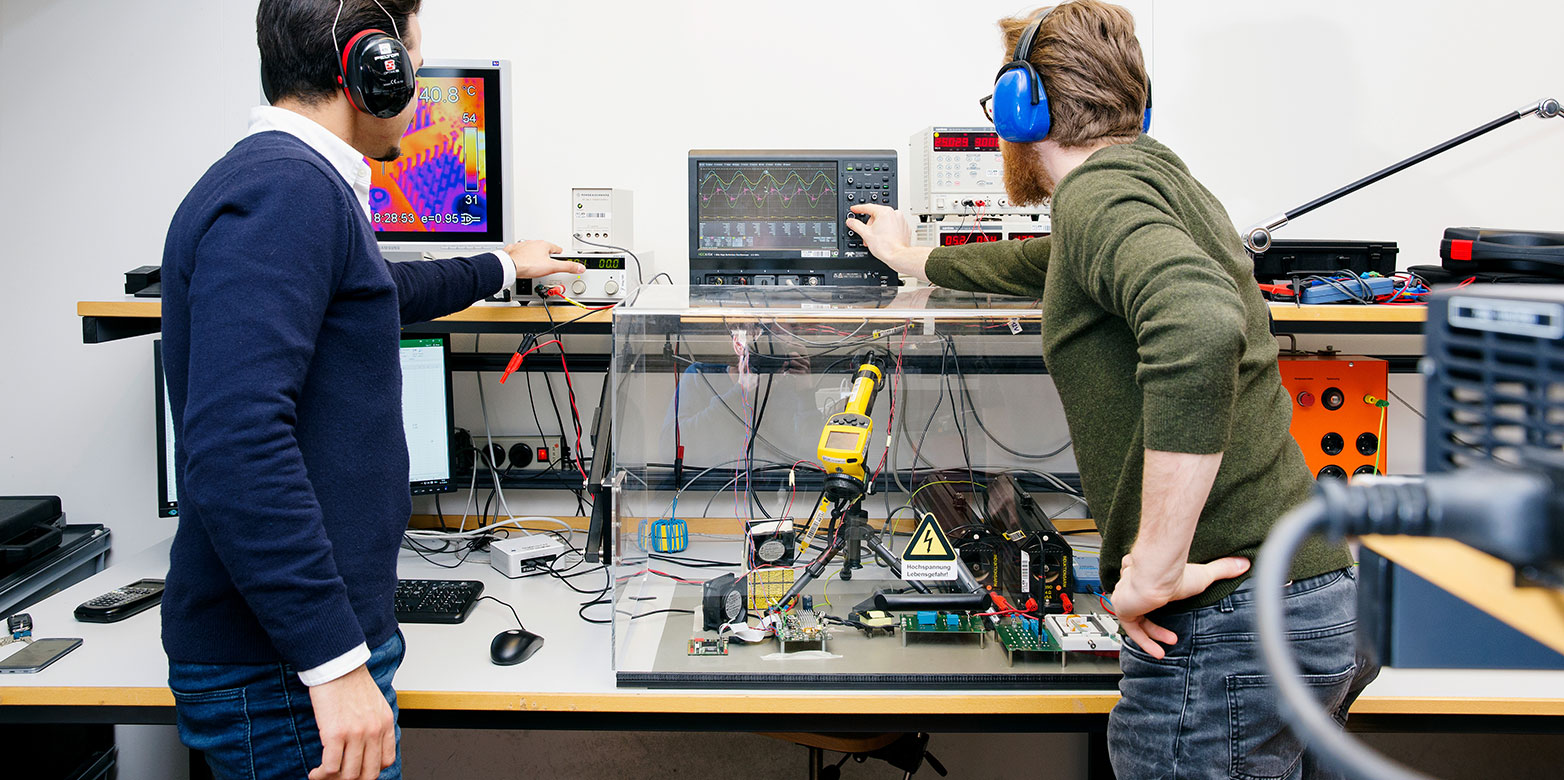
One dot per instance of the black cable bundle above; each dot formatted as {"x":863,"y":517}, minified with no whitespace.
{"x":1513,"y":514}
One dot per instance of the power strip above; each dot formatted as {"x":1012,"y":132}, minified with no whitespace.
{"x":524,"y":453}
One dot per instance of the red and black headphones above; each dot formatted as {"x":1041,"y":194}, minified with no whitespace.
{"x":376,"y":70}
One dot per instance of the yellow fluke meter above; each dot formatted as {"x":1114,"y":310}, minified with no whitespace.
{"x":844,"y":442}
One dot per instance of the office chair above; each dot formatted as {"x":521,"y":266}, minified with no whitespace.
{"x":906,"y":751}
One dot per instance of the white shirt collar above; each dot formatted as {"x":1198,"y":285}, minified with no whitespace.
{"x":348,"y":162}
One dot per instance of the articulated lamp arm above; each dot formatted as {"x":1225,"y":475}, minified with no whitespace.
{"x":1258,"y":238}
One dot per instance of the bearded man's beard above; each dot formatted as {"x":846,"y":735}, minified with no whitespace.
{"x":1026,"y":180}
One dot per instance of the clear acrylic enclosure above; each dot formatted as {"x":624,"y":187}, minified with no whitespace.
{"x":781,"y":454}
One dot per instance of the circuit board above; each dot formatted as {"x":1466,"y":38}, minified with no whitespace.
{"x":709,"y":646}
{"x":802,"y":632}
{"x":943,"y":623}
{"x":1091,"y":633}
{"x":949,"y":623}
{"x":1024,"y":635}
{"x":768,"y":586}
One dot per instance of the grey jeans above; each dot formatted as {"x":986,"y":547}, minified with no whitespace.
{"x":1207,"y":709}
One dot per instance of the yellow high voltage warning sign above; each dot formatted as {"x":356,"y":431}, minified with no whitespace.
{"x":929,"y":556}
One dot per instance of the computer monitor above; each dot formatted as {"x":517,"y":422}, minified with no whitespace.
{"x":167,"y":491}
{"x":448,"y":192}
{"x":427,"y":415}
{"x":776,"y":217}
{"x":427,"y":419}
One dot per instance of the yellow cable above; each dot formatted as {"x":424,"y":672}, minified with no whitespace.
{"x":559,"y":290}
{"x":944,"y":482}
{"x":1384,"y":406}
{"x":1381,"y":447}
{"x":825,"y":592}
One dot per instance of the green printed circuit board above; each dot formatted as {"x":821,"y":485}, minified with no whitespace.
{"x":946,"y":623}
{"x":1018,"y":638}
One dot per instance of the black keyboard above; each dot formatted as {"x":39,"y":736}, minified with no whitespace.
{"x":436,"y":601}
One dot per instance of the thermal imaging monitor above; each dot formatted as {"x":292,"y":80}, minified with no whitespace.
{"x":447,"y":194}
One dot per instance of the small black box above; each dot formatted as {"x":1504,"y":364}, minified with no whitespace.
{"x":1532,"y":253}
{"x":141,"y":278}
{"x":1287,"y":258}
{"x":29,"y":527}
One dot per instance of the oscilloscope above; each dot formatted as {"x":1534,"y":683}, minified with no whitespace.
{"x":776,"y":217}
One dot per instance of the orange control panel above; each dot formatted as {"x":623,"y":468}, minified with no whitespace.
{"x":1338,"y":412}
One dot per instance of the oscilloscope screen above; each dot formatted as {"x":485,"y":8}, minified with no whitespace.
{"x":768,"y":206}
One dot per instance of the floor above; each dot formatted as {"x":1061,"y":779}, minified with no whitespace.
{"x":444,"y":755}
{"x":153,"y":753}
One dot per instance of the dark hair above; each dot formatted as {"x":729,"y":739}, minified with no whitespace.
{"x":299,"y":59}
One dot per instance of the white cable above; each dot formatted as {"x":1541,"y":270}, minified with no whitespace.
{"x":494,"y":474}
{"x":472,"y":490}
{"x":430,"y":533}
{"x":640,"y":273}
{"x":1076,"y":499}
{"x":845,"y":340}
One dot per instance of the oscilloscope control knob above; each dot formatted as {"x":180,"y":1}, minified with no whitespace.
{"x":610,"y":287}
{"x":578,"y":287}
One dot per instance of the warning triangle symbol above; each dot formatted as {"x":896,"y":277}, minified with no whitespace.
{"x":929,"y":543}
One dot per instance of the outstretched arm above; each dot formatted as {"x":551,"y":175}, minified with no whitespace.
{"x":1003,"y":267}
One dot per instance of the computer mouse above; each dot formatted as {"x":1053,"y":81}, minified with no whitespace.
{"x":514,"y":646}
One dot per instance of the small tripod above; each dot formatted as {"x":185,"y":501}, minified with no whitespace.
{"x":843,"y":446}
{"x":854,"y":535}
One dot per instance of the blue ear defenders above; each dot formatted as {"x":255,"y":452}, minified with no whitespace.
{"x":1020,"y":104}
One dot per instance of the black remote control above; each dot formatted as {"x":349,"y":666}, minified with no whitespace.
{"x":121,"y":603}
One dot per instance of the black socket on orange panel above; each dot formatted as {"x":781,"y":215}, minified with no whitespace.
{"x":1332,"y":472}
{"x":1368,"y":444}
{"x":1332,"y":444}
{"x":1333,"y":398}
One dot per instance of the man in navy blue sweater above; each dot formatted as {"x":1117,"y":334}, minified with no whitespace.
{"x":281,"y":322}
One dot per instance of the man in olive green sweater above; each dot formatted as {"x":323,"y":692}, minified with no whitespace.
{"x":1159,"y":343}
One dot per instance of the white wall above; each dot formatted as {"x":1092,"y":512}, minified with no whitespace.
{"x":1275,"y":103}
{"x":112,"y":109}
{"x":617,"y":93}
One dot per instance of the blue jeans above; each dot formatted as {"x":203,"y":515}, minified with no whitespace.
{"x":255,"y":721}
{"x":1207,"y":709}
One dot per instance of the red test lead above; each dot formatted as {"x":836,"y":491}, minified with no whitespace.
{"x":522,"y":350}
{"x":521,"y":354}
{"x":510,"y":368}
